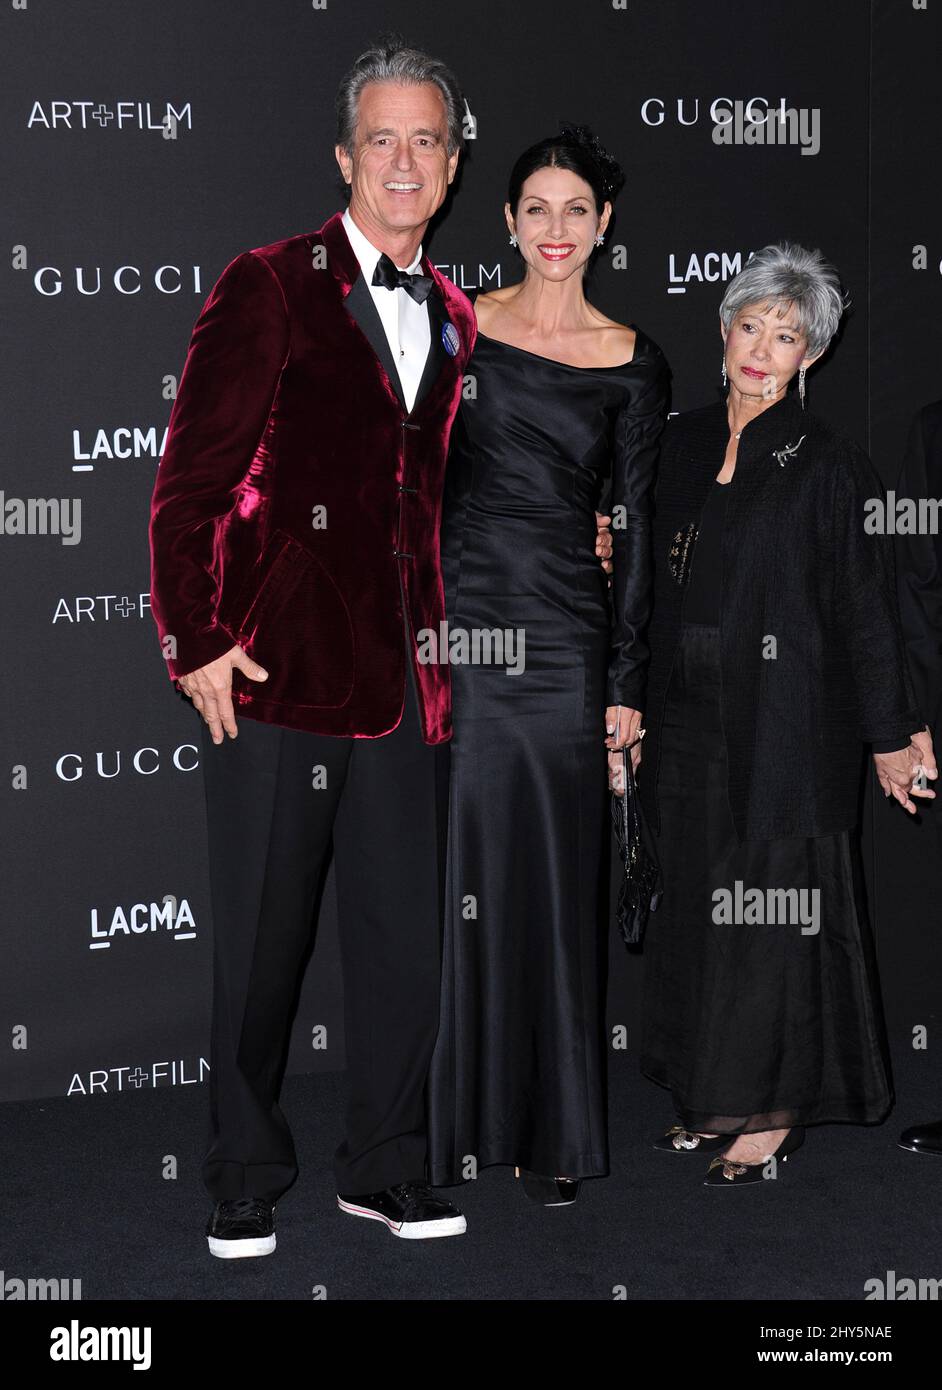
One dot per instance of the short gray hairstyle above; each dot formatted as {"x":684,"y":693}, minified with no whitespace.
{"x":392,"y":60}
{"x":788,"y":273}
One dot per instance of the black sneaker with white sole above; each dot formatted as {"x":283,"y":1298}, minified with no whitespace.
{"x":241,"y":1228}
{"x":411,"y":1211}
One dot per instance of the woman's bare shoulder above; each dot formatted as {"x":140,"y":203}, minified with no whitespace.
{"x":490,"y":305}
{"x":618,"y":339}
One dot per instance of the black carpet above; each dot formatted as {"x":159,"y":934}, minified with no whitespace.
{"x":85,"y":1199}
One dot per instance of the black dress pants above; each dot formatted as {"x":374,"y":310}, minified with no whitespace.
{"x":270,"y":832}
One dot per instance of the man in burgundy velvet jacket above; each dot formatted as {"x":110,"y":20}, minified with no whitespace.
{"x":295,"y":555}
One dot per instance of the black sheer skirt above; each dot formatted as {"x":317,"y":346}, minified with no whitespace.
{"x":761,"y":1007}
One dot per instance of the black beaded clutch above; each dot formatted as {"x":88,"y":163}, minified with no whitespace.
{"x":642,"y":883}
{"x":680,"y":552}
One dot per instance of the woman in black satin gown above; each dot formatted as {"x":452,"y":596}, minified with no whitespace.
{"x":565,"y":399}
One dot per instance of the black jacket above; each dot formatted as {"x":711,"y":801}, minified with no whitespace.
{"x":919,"y":565}
{"x":797,"y":567}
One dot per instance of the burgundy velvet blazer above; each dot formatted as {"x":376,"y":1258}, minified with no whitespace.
{"x":295,"y":491}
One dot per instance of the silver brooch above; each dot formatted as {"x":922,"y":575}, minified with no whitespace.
{"x":789,"y":452}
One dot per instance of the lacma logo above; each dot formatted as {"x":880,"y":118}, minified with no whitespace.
{"x":121,"y":443}
{"x":703,"y":268}
{"x":142,"y":919}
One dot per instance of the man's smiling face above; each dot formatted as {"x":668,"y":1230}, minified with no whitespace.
{"x":400,"y":168}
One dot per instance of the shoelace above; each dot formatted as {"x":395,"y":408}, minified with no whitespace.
{"x":244,"y":1208}
{"x":411,"y":1192}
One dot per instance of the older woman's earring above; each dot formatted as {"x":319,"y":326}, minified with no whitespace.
{"x":513,"y":238}
{"x":801,"y":386}
{"x":724,"y":368}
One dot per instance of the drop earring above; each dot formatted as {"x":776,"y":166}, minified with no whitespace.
{"x":600,"y":241}
{"x":801,"y":386}
{"x":724,"y":369}
{"x":513,"y":238}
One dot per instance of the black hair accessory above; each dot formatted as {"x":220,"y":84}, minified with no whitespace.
{"x":609,"y":168}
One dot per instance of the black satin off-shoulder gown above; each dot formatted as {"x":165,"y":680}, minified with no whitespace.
{"x":518,"y":1072}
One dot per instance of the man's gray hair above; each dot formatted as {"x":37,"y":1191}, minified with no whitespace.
{"x":789,"y":274}
{"x":392,"y":60}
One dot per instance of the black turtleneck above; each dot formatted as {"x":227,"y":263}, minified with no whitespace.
{"x":704,"y":594}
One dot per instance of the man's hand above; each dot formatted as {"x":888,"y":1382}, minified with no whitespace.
{"x":210,"y":689}
{"x":897,"y":771}
{"x":603,"y":541}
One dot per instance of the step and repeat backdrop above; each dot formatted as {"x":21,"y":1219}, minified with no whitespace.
{"x":142,"y":148}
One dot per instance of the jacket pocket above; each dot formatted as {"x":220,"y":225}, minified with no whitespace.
{"x":292,"y":619}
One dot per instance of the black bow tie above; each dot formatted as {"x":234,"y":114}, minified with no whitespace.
{"x":392,"y":278}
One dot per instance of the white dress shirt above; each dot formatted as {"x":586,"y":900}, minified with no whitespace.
{"x":406,"y":323}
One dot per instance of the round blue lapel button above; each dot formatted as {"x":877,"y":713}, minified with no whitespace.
{"x":450,"y":339}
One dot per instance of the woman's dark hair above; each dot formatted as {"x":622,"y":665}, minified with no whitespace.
{"x":576,"y":149}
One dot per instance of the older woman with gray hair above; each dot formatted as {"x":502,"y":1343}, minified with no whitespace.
{"x":776,"y":657}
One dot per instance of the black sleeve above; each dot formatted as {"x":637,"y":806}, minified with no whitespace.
{"x":638,"y":427}
{"x":868,"y":605}
{"x":891,"y":745}
{"x":919,"y":570}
